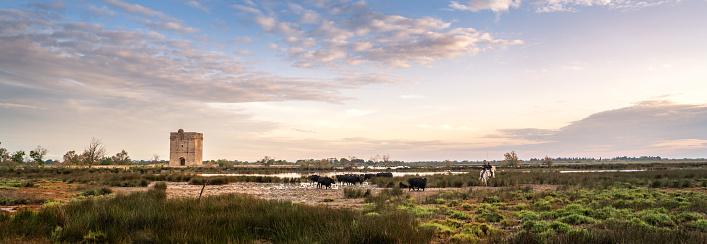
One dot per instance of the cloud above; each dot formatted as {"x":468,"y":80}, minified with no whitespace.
{"x":649,"y":127}
{"x":171,"y":26}
{"x":243,"y":52}
{"x":546,"y":6}
{"x":241,"y":39}
{"x":576,"y":66}
{"x":163,"y":22}
{"x":137,"y":9}
{"x":19,"y":106}
{"x":493,"y":5}
{"x":57,"y":6}
{"x":246,"y":9}
{"x":197,"y":5}
{"x":40,"y":52}
{"x":353,"y":34}
{"x":682,"y":144}
{"x":102,"y":12}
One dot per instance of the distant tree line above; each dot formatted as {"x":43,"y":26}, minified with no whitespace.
{"x":617,"y":159}
{"x":93,"y":154}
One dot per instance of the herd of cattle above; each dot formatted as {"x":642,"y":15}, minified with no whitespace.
{"x":353,"y":179}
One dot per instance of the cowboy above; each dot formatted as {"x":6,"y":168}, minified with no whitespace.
{"x":487,"y":167}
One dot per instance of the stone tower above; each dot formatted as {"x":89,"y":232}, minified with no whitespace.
{"x":185,"y":149}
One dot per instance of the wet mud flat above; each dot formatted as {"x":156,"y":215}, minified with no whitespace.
{"x":306,"y":193}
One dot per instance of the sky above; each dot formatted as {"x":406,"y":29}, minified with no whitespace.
{"x":416,"y":80}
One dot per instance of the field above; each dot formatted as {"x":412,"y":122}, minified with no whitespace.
{"x":663,"y":203}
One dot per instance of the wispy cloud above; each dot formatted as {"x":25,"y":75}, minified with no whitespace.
{"x":545,"y":6}
{"x":682,"y":144}
{"x":493,"y":5}
{"x":197,"y":5}
{"x":575,"y":65}
{"x":138,"y":9}
{"x":19,"y":106}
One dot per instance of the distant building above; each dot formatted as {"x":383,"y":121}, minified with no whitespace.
{"x":185,"y":149}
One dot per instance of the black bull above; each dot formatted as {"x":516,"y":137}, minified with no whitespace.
{"x":419,"y":183}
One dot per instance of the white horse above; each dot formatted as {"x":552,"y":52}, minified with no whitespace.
{"x":485,"y":175}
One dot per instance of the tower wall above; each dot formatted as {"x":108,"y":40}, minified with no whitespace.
{"x":186,"y":146}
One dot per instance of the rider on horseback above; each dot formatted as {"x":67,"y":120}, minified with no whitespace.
{"x":487,"y":167}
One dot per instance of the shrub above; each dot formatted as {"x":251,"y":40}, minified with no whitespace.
{"x":460,"y":215}
{"x":686,"y":217}
{"x":465,"y":238}
{"x":355,"y":193}
{"x":443,"y":230}
{"x":561,"y":227}
{"x":542,"y":205}
{"x":656,"y":219}
{"x":700,"y":225}
{"x":491,"y":199}
{"x":491,"y":217}
{"x":577,"y":219}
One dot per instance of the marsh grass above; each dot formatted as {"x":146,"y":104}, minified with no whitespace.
{"x":350,"y":192}
{"x":20,"y":198}
{"x":610,"y":215}
{"x":150,"y":217}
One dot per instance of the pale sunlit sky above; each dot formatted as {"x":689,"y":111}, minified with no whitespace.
{"x":414,"y":79}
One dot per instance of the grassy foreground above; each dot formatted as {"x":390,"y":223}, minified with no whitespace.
{"x":151,"y":218}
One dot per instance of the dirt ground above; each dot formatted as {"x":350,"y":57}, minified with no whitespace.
{"x":306,"y":193}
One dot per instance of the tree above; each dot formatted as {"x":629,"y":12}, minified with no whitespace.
{"x":323,"y":164}
{"x":72,"y":158}
{"x":18,"y":157}
{"x":375,"y":159}
{"x":547,"y":161}
{"x":121,"y":158}
{"x":107,"y":161}
{"x":511,"y":159}
{"x":448,"y":163}
{"x":305,"y":163}
{"x":155,"y":158}
{"x":344,"y":161}
{"x":386,"y":160}
{"x":94,"y":152}
{"x":38,"y":154}
{"x":352,"y":162}
{"x":267,"y":161}
{"x":4,"y":155}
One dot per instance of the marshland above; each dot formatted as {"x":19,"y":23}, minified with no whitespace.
{"x":592,"y":203}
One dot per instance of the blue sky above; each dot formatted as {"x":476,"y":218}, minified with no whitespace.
{"x":418,"y":80}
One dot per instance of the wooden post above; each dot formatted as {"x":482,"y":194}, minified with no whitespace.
{"x":202,"y":190}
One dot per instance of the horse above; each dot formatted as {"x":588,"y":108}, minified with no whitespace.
{"x":485,"y":175}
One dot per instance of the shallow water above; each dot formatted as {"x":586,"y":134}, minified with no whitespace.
{"x":603,"y":170}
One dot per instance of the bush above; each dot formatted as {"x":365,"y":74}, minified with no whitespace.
{"x":700,"y":225}
{"x":355,"y":193}
{"x":460,"y":215}
{"x":576,"y":219}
